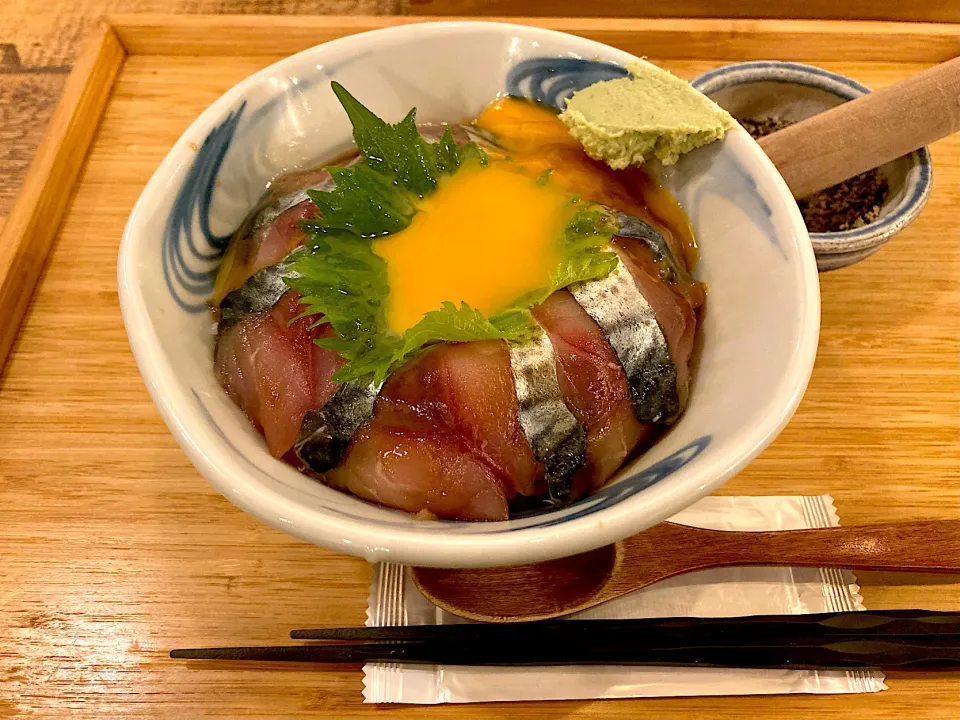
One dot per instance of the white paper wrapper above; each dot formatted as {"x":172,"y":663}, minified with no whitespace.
{"x":395,"y":600}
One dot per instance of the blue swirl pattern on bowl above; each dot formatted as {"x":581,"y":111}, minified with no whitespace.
{"x":191,"y":258}
{"x":183,"y":253}
{"x":551,"y":80}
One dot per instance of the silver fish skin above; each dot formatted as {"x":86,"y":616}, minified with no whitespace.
{"x":272,"y":206}
{"x":626,"y":318}
{"x":326,"y":433}
{"x":259,"y":293}
{"x":637,"y":229}
{"x":557,"y":438}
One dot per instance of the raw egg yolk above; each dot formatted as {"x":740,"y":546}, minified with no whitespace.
{"x":533,"y":136}
{"x":487,"y":236}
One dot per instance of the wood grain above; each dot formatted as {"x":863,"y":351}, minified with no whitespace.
{"x":663,"y":38}
{"x":115,"y":550}
{"x":895,"y":10}
{"x":29,"y":231}
{"x":542,"y":591}
{"x":833,"y":146}
{"x":50,"y":33}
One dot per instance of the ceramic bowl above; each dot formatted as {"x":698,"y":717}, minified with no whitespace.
{"x":794,"y":91}
{"x":759,"y":331}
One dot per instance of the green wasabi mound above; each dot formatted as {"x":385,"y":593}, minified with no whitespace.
{"x":652,"y":114}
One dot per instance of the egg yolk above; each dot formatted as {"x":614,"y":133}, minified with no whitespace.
{"x":487,"y":236}
{"x":532,"y":135}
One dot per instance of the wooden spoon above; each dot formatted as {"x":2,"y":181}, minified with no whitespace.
{"x":547,"y":590}
{"x":867,"y":132}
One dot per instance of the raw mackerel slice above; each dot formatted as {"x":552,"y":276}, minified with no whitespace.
{"x":592,"y":377}
{"x":276,"y":240}
{"x":594,"y":387}
{"x":420,"y":475}
{"x":672,"y":304}
{"x":275,"y":372}
{"x":274,"y":233}
{"x":450,"y":410}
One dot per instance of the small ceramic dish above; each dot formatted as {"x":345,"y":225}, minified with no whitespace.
{"x":759,"y":332}
{"x":793,"y":91}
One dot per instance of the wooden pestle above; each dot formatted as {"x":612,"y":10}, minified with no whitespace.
{"x":867,"y":132}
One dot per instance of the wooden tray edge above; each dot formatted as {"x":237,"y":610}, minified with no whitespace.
{"x":45,"y":196}
{"x":665,"y":38}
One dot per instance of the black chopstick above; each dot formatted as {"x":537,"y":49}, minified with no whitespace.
{"x":837,"y":624}
{"x":819,"y":653}
{"x":904,"y":639}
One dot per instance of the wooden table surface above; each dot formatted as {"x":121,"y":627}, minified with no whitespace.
{"x":105,"y":566}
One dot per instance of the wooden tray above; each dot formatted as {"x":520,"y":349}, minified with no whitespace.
{"x":116,"y":550}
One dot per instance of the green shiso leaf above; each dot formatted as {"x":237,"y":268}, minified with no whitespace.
{"x":585,"y":252}
{"x":456,"y":324}
{"x":344,"y":282}
{"x":363,"y":202}
{"x":398,"y":151}
{"x":377,"y":197}
{"x":447,"y":154}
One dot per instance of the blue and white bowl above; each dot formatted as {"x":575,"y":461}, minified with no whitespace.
{"x":759,"y":331}
{"x":793,"y":92}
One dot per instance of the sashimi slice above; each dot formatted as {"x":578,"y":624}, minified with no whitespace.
{"x":594,"y":387}
{"x":274,"y":370}
{"x":278,"y":239}
{"x":465,"y":390}
{"x":417,"y":473}
{"x":445,"y":437}
{"x":266,"y":245}
{"x":675,"y":312}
